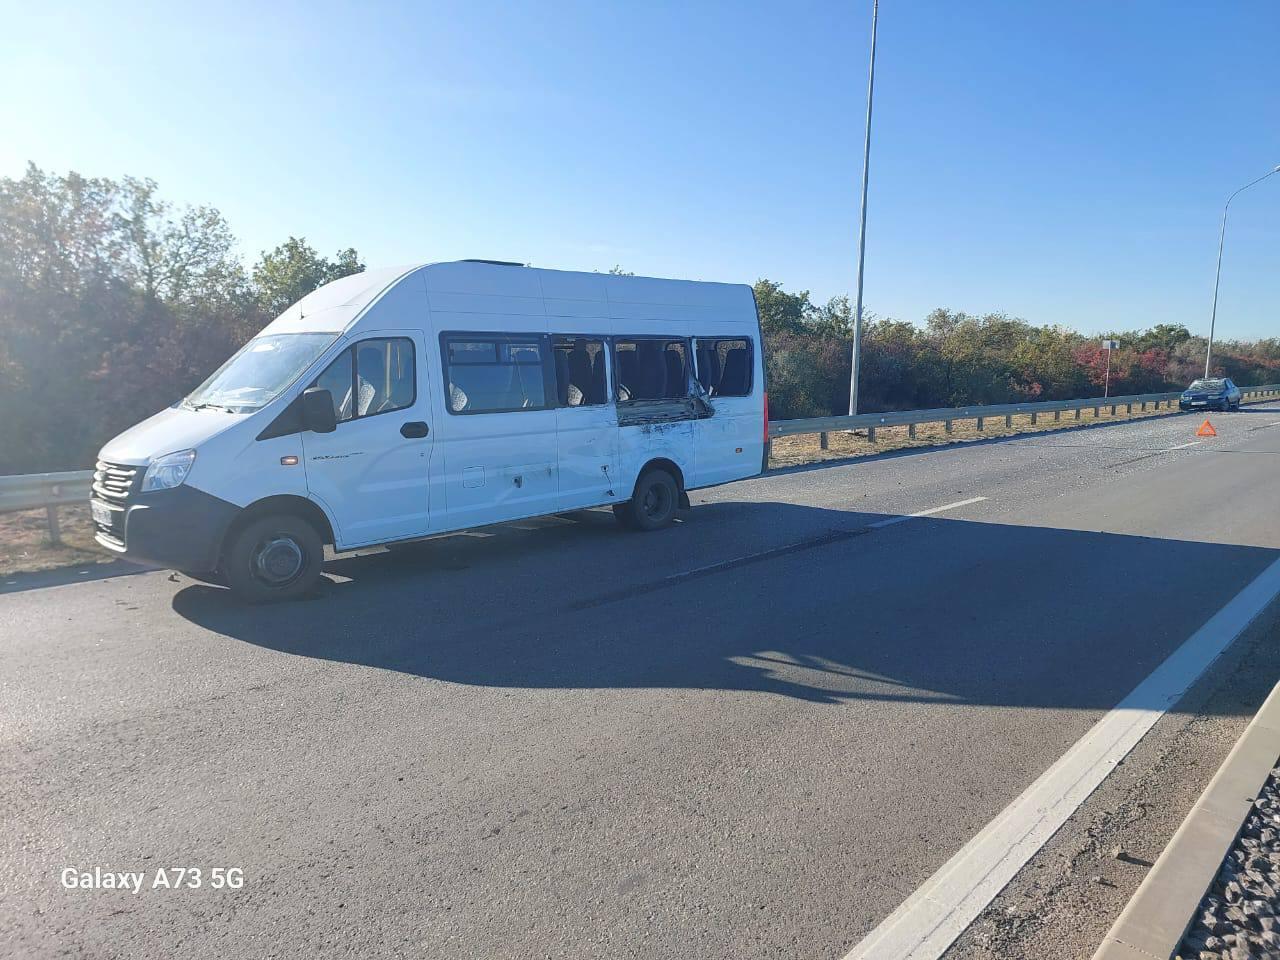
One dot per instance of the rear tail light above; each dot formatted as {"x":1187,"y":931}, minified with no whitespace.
{"x":766,"y":417}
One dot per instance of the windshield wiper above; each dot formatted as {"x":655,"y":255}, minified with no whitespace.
{"x":209,"y":406}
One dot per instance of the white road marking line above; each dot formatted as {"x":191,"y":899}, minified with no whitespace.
{"x":890,"y":521}
{"x":887,"y":522}
{"x":930,"y":920}
{"x":1181,"y":446}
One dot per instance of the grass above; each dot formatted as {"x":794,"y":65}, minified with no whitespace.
{"x":25,"y":546}
{"x":24,"y":535}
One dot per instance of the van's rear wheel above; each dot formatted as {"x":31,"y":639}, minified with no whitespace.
{"x":273,"y":558}
{"x":654,"y":503}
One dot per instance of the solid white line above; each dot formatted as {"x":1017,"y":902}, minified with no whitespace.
{"x":1181,"y":446}
{"x":930,"y":920}
{"x":889,"y":522}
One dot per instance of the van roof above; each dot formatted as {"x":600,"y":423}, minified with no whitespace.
{"x":336,"y":305}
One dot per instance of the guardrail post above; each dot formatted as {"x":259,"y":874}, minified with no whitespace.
{"x":1033,"y":418}
{"x":911,"y":431}
{"x":822,"y":441}
{"x":1113,"y":409}
{"x":1142,"y":407}
{"x":1057,"y":415}
{"x":1077,"y":413}
{"x":946,"y":425}
{"x":980,"y":424}
{"x":871,"y":434}
{"x":1128,"y":409}
{"x":55,"y":532}
{"x":1008,"y":419}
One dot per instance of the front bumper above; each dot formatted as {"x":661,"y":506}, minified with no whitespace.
{"x":180,"y":528}
{"x":1214,"y":403}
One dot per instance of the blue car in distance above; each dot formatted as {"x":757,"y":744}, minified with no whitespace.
{"x":1216,"y":393}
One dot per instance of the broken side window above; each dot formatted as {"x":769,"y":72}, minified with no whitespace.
{"x":651,"y":368}
{"x":724,"y":366}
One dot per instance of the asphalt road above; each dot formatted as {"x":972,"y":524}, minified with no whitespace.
{"x":751,"y":735}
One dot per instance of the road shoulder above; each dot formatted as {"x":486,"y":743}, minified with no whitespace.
{"x":1063,"y":902}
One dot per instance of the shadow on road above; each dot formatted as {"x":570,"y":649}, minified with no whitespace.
{"x":816,"y":604}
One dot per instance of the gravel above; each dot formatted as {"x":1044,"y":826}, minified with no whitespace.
{"x":1239,"y":918}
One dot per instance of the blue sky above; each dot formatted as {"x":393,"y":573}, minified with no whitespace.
{"x":1064,"y":162}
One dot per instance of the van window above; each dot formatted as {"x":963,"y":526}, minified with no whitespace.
{"x":383,"y":379}
{"x":495,"y":374}
{"x":650,"y":368}
{"x":580,"y":371}
{"x":337,"y":380}
{"x":724,"y":366}
{"x":384,"y":376}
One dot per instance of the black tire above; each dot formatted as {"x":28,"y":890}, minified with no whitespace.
{"x":654,"y":503}
{"x":273,"y":558}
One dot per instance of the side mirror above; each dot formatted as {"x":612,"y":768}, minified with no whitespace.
{"x":317,"y":411}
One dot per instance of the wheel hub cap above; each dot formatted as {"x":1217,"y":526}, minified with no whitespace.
{"x":278,"y":561}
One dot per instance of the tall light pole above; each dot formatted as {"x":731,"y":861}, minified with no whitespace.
{"x":862,"y":225}
{"x":1222,"y":236}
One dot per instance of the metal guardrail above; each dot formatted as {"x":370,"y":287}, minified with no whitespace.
{"x":33,"y":491}
{"x":946,"y":415}
{"x":30,"y":491}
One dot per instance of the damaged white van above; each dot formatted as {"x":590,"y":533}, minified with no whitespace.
{"x":398,"y":404}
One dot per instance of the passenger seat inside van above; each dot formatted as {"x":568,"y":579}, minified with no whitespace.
{"x":736,"y":375}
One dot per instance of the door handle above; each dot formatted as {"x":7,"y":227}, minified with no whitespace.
{"x":414,"y":429}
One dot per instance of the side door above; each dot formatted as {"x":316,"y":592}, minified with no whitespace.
{"x":729,"y":441}
{"x":498,"y":434}
{"x":586,"y":422}
{"x":373,"y":471}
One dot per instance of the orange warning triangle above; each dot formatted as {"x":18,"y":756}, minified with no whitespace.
{"x":1206,"y":430}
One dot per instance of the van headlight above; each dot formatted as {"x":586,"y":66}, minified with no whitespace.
{"x":168,"y":471}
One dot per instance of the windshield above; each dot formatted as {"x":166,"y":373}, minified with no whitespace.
{"x":1207,"y":385}
{"x":259,"y":371}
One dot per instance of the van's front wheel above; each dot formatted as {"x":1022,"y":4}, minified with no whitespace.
{"x":273,"y":558}
{"x":654,"y":503}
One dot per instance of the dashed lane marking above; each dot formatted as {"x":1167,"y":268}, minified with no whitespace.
{"x":890,"y":521}
{"x":821,"y":540}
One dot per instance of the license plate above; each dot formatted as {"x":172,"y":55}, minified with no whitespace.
{"x":101,"y":512}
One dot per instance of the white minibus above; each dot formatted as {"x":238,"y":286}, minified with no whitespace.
{"x":399,"y":404}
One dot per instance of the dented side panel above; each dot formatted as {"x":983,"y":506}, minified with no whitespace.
{"x":644,"y":442}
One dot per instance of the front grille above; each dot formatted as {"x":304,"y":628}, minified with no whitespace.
{"x":114,"y":481}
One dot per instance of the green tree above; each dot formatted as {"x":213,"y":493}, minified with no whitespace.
{"x":781,"y":312}
{"x":288,"y":273}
